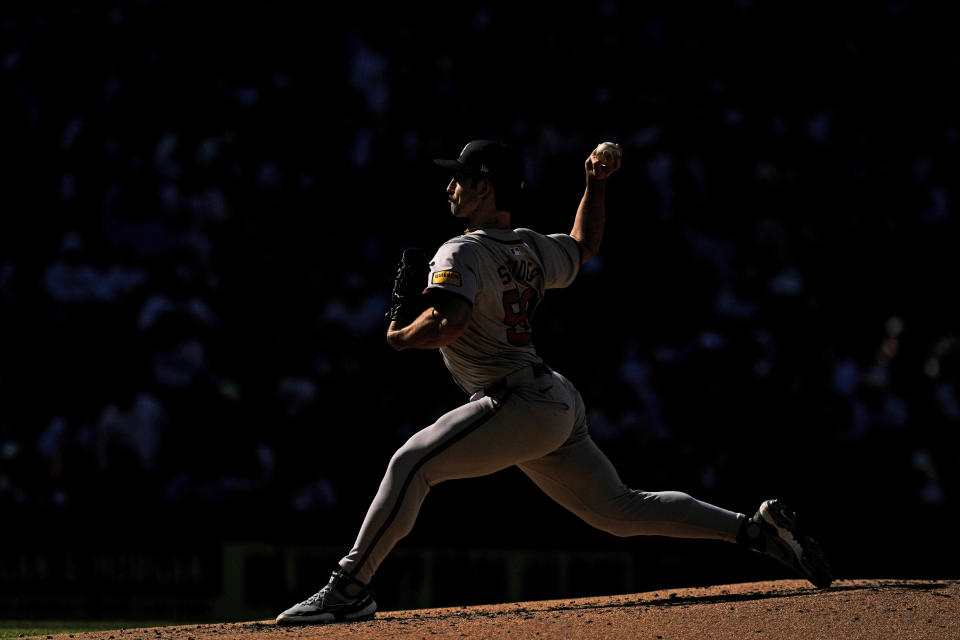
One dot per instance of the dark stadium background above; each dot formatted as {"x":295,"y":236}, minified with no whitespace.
{"x":203,"y":204}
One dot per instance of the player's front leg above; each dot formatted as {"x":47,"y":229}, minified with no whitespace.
{"x":479,"y":438}
{"x":410,"y":474}
{"x":389,"y":518}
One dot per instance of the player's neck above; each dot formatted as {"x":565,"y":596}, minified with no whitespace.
{"x":499,"y":220}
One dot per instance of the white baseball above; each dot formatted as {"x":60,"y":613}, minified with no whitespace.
{"x":606,"y":152}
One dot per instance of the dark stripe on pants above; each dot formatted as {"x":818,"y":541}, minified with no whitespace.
{"x":429,"y":456}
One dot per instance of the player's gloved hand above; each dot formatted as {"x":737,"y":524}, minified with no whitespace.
{"x":407,"y":300}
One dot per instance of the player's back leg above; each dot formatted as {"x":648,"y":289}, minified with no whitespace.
{"x":581,"y":478}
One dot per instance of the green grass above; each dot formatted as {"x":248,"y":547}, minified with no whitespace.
{"x":27,"y":628}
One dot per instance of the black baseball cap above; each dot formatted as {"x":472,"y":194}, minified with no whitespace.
{"x":488,"y":159}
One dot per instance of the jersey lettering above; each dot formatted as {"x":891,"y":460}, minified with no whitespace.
{"x":520,"y":270}
{"x":518,"y":308}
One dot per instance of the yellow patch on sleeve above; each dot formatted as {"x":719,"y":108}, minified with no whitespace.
{"x":446,"y":277}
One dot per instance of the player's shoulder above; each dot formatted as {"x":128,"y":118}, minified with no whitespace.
{"x":461,"y":247}
{"x":528,"y":235}
{"x":536,"y":239}
{"x":483,"y":239}
{"x":458,"y":241}
{"x":540,"y":239}
{"x":554,"y":244}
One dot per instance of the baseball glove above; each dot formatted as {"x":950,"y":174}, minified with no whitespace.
{"x":407,"y":300}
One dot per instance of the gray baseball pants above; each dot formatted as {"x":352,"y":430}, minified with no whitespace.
{"x":534,"y":419}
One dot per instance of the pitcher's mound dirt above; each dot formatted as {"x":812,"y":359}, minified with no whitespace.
{"x":851,"y":609}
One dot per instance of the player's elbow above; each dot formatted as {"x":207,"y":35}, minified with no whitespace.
{"x":453,"y":314}
{"x":589,"y":247}
{"x":452,"y":334}
{"x":450,"y":328}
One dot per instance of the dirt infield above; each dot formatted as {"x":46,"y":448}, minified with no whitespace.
{"x":851,"y":609}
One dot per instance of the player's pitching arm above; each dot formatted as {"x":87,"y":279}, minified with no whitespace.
{"x":591,"y":215}
{"x":439,"y":325}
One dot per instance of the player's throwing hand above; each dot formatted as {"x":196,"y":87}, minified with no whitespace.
{"x":604,"y":160}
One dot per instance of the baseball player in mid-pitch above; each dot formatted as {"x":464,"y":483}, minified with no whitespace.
{"x":481,"y":291}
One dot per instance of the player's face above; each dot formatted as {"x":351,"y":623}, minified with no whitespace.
{"x":463,"y":197}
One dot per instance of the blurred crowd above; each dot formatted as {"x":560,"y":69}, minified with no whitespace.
{"x":205,"y":210}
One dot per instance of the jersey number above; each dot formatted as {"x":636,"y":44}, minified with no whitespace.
{"x":517,"y":310}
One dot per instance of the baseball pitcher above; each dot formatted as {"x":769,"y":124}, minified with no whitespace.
{"x":475,"y":302}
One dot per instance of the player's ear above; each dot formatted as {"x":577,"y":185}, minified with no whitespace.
{"x":483,"y":187}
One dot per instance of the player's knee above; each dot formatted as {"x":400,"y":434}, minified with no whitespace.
{"x":611,"y":525}
{"x":674,"y":498}
{"x":641,"y":512}
{"x":608,"y":523}
{"x":672,"y":505}
{"x":405,"y":460}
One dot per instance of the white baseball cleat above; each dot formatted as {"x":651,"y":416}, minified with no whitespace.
{"x":343,"y":599}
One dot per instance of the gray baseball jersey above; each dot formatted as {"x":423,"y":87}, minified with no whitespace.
{"x":503,"y":274}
